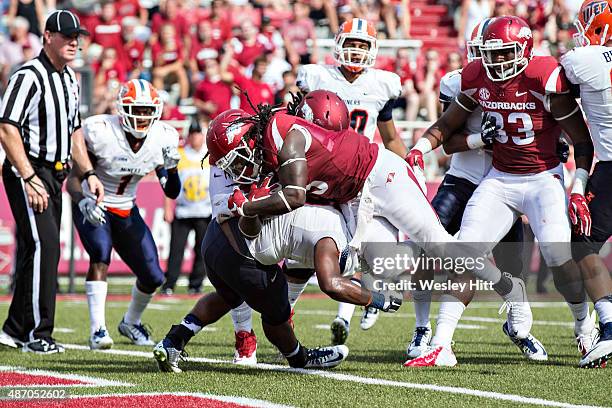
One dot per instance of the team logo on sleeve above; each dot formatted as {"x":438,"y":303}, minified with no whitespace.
{"x":484,"y":94}
{"x":592,"y":10}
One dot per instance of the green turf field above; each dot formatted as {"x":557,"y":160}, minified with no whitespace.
{"x":490,"y":367}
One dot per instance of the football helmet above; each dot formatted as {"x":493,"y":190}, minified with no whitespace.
{"x":594,"y":23}
{"x":475,"y":41}
{"x":229,"y":149}
{"x":139,"y":106}
{"x":325,"y":109}
{"x":505,"y":35}
{"x":352,"y":58}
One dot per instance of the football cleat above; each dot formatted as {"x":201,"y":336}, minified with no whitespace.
{"x":531,"y":347}
{"x":43,"y":346}
{"x":420,"y":342}
{"x":369,"y":318}
{"x":519,"y":318}
{"x":339,"y":331}
{"x":601,"y":351}
{"x":438,"y":356}
{"x":586,"y":333}
{"x":326,"y":357}
{"x":100,"y":340}
{"x":137,"y":333}
{"x":168,"y":357}
{"x":9,"y":341}
{"x":246,"y":348}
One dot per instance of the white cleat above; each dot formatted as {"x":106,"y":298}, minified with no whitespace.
{"x":369,"y":318}
{"x":168,"y":357}
{"x":519,"y":316}
{"x":531,"y":347}
{"x":434,"y":356}
{"x":586,"y":333}
{"x":326,"y":357}
{"x":246,"y":348}
{"x":137,"y":333}
{"x":9,"y":341}
{"x":100,"y":340}
{"x":420,"y":341}
{"x":601,"y":351}
{"x":339,"y":331}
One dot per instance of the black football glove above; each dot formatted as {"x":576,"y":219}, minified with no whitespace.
{"x":385,"y":302}
{"x":563,"y":150}
{"x":488,"y":128}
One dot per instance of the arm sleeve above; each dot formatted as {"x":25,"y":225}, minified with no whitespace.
{"x":169,"y":181}
{"x":18,"y":98}
{"x":386,"y":113}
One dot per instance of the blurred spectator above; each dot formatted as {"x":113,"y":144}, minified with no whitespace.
{"x":212,"y":95}
{"x":453,"y":61}
{"x":250,"y":44}
{"x":168,"y":66}
{"x":169,"y":13}
{"x":109,"y":69}
{"x":241,"y":11}
{"x":32,"y":10}
{"x":323,"y":14}
{"x":396,"y":17}
{"x":283,"y":96}
{"x":132,"y":8}
{"x":296,"y":33}
{"x":107,"y":32}
{"x":173,"y":115}
{"x":403,"y":67}
{"x":277,"y":65}
{"x":471,"y":13}
{"x":22,"y":45}
{"x":221,"y":27}
{"x":427,"y":80}
{"x":134,"y":48}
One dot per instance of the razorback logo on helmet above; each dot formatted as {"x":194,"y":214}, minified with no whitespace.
{"x":233,"y":130}
{"x":594,"y":9}
{"x":484,"y":93}
{"x":524,"y":32}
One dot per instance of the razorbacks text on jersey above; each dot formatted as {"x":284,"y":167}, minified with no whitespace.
{"x":338,"y":162}
{"x":527,"y":140}
{"x":295,"y":234}
{"x":369,"y":98}
{"x":471,"y":165}
{"x":591,"y":68}
{"x":117,"y":166}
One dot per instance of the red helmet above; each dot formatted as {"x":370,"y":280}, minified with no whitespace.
{"x":506,"y":34}
{"x":226,"y":143}
{"x":325,"y":109}
{"x":594,"y":23}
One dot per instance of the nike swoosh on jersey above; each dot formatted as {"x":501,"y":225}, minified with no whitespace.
{"x":518,"y":94}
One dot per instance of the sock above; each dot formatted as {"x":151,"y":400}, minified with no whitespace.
{"x":242,"y":318}
{"x":192,"y":323}
{"x":297,"y":358}
{"x":295,"y":290}
{"x":138,"y":304}
{"x":449,"y":314}
{"x":504,"y":286}
{"x":346,"y":310}
{"x":580,"y":311}
{"x":604,"y":309}
{"x":96,"y":300}
{"x":422,"y":304}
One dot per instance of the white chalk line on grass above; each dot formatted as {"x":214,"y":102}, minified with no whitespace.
{"x":361,"y":380}
{"x":251,"y":402}
{"x":88,"y":381}
{"x":459,"y":326}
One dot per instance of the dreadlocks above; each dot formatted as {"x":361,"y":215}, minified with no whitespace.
{"x":296,"y":99}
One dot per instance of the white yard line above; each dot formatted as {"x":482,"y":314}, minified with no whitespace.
{"x":358,"y":379}
{"x":88,"y":381}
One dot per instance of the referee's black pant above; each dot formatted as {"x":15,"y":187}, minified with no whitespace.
{"x":32,"y":311}
{"x":180,"y":229}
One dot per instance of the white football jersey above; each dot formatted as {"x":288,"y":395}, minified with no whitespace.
{"x":294,"y":235}
{"x":364,"y":98}
{"x":219,"y":184}
{"x":589,"y":67}
{"x":117,"y":166}
{"x":471,"y":165}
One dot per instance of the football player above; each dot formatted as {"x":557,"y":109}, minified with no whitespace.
{"x":124,"y":148}
{"x":526,"y":105}
{"x":334,"y":167}
{"x":370,"y":95}
{"x":589,"y":67}
{"x":469,"y":165}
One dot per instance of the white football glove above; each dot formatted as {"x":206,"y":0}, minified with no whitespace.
{"x":93,"y":212}
{"x":171,"y":157}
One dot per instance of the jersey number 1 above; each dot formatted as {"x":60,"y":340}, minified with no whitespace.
{"x":359,"y":117}
{"x":125,"y":180}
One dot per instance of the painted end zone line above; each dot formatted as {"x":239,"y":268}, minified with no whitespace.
{"x":358,"y":379}
{"x":88,"y":381}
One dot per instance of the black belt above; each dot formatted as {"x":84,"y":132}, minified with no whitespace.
{"x":57,"y":166}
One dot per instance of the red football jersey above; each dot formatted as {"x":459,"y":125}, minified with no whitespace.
{"x":338,"y":162}
{"x":527,"y":140}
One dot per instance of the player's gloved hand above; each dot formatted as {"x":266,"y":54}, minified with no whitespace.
{"x":219,"y":203}
{"x":563,"y":150}
{"x":414,"y":158}
{"x":579,"y":214}
{"x":385,"y":302}
{"x":488,"y":128}
{"x":171,"y":157}
{"x":264,"y":190}
{"x":93,"y":212}
{"x":236,"y":201}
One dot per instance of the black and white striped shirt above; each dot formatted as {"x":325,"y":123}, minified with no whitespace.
{"x":43,"y":104}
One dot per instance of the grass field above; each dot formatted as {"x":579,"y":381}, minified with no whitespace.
{"x":491,"y":372}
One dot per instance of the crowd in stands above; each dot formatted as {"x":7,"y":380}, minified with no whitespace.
{"x":197,"y":50}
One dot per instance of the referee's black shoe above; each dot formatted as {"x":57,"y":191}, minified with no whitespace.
{"x":43,"y":346}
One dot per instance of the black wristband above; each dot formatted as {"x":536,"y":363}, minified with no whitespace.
{"x":28,"y":179}
{"x":88,"y":174}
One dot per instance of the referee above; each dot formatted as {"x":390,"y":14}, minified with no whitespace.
{"x":39,"y":130}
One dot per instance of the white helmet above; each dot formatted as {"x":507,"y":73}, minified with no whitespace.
{"x":474,"y":43}
{"x":138,"y":101}
{"x":352,"y":58}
